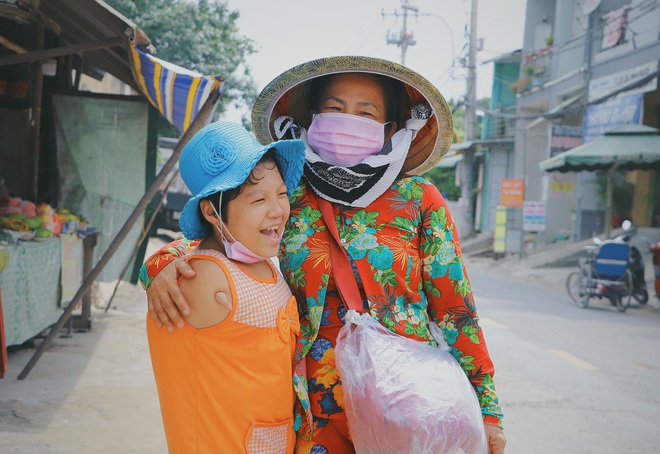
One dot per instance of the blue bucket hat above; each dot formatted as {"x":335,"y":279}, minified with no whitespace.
{"x":220,"y":157}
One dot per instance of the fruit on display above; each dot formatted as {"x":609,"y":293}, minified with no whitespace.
{"x":20,"y":216}
{"x":34,"y":222}
{"x":39,"y":220}
{"x":15,"y":224}
{"x":27,"y":206}
{"x":42,"y":232}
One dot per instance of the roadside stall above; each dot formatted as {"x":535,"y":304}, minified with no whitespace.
{"x":76,"y":165}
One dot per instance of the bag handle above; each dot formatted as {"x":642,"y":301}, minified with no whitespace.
{"x":340,"y":263}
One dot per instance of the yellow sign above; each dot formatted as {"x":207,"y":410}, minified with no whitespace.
{"x":499,"y":240}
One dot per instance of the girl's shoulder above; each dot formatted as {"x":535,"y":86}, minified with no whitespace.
{"x":209,"y":265}
{"x":212,"y":276}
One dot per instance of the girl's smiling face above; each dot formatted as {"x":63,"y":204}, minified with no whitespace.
{"x":256,"y":217}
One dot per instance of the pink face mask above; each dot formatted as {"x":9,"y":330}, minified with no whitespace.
{"x":236,"y":250}
{"x":345,"y":139}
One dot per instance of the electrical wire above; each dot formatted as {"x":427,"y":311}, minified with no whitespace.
{"x":550,"y":115}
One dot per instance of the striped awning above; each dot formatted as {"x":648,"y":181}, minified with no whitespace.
{"x":176,"y":92}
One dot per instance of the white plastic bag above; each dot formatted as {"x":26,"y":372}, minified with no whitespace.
{"x":404,"y":396}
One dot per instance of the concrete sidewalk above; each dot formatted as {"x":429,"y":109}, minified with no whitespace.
{"x":92,"y":392}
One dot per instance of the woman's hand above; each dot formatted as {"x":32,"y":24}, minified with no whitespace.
{"x":165,"y":300}
{"x":496,"y":439}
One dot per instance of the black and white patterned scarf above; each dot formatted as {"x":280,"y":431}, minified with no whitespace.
{"x":361,"y":184}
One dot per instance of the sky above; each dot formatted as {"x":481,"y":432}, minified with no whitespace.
{"x":290,"y":32}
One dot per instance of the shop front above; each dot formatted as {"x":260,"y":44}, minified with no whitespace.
{"x":77,"y":168}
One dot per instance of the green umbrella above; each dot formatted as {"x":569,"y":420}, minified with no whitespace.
{"x":627,"y":147}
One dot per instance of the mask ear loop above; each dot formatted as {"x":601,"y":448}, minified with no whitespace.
{"x":222,"y":224}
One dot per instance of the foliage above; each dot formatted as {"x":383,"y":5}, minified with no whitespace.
{"x":520,"y":85}
{"x":622,"y":193}
{"x":458,"y":114}
{"x":444,"y":179}
{"x":459,"y":120}
{"x":652,"y":198}
{"x":201,"y":36}
{"x":528,"y":70}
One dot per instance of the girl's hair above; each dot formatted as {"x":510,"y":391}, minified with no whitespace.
{"x":270,"y":157}
{"x":397,"y":102}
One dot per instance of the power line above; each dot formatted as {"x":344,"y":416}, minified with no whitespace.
{"x":551,"y":115}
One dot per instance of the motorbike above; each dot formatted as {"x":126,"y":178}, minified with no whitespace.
{"x":613,"y":269}
{"x":635,"y":261}
{"x":604,"y":274}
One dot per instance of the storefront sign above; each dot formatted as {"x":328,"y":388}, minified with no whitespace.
{"x":603,"y":86}
{"x":512,"y":192}
{"x":601,"y":117}
{"x":564,"y":138}
{"x":534,"y":216}
{"x":561,"y":185}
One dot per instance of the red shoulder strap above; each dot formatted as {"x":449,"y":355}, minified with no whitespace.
{"x":339,"y":262}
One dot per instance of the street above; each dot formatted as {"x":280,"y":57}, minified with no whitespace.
{"x":570,"y":380}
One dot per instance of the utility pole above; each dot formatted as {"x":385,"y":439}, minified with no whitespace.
{"x":404,"y":39}
{"x":470,"y":126}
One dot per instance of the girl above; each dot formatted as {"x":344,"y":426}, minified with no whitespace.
{"x":225,"y":380}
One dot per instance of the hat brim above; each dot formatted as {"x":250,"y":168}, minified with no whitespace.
{"x":291,"y":155}
{"x":288,"y":94}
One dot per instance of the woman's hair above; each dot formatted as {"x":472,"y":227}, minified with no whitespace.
{"x":397,"y":102}
{"x":270,"y":157}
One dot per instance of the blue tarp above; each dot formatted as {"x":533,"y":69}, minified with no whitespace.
{"x":176,"y":92}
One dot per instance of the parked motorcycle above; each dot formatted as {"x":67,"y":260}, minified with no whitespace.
{"x":597,"y":276}
{"x":635,"y":261}
{"x":604,"y":274}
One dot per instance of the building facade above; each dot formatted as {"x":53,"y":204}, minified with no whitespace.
{"x":587,"y":66}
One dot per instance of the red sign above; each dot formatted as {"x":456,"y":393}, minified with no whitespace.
{"x":512,"y":193}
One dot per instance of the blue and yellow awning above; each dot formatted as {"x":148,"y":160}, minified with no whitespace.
{"x":176,"y":92}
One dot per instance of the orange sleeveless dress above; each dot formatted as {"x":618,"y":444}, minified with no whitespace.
{"x":228,"y":388}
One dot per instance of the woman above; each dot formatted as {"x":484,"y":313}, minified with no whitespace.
{"x":370,"y":126}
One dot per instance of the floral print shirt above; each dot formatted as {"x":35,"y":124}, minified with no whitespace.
{"x":405,"y":251}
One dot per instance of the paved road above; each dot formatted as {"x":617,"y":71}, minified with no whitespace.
{"x":570,"y":380}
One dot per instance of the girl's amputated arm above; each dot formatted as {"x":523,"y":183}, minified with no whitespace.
{"x":210,"y":279}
